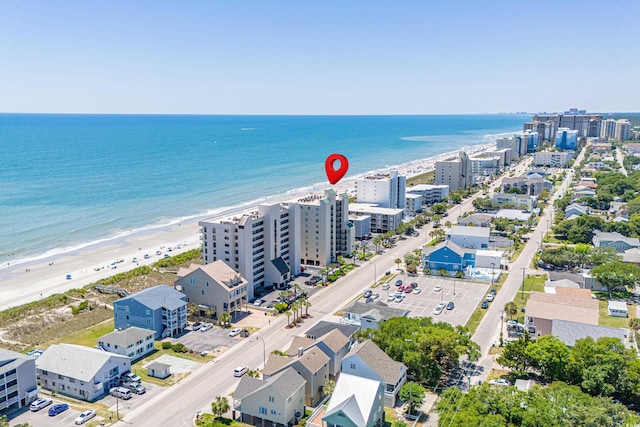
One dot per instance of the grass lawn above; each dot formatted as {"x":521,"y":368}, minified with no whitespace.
{"x":390,"y":416}
{"x":87,"y":337}
{"x":209,"y":420}
{"x":517,"y":252}
{"x":478,"y":314}
{"x":532,"y":283}
{"x":614,"y":322}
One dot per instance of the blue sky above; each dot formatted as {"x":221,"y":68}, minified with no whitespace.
{"x":318,"y":57}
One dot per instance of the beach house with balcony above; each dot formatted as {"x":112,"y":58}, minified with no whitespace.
{"x":355,"y":402}
{"x":18,"y":385}
{"x":161,"y":308}
{"x":80,"y":372}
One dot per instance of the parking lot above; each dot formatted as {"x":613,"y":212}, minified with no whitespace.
{"x":467,"y":297}
{"x":206,"y":341}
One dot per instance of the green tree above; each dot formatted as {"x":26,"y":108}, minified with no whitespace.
{"x":634,"y":325}
{"x":549,"y":356}
{"x":225,"y":318}
{"x":328,"y":387}
{"x":288,"y":314}
{"x":413,"y":394}
{"x":442,"y":272}
{"x":515,"y":356}
{"x":617,"y":274}
{"x":220,"y":406}
{"x":511,"y":309}
{"x":397,"y":261}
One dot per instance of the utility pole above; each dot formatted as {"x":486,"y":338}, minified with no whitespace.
{"x":524,"y":269}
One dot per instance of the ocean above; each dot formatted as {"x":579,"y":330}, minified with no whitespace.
{"x":69,"y":180}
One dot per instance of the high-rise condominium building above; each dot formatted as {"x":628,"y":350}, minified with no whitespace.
{"x":608,"y":129}
{"x":261,"y":245}
{"x":325,"y":229}
{"x":384,"y":190}
{"x":453,"y":173}
{"x":587,"y":125}
{"x":623,"y":130}
{"x":567,"y":139}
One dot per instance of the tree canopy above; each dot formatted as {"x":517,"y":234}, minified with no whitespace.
{"x":428,"y":348}
{"x":617,"y":274}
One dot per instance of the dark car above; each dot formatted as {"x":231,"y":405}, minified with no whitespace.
{"x":485,"y":304}
{"x":56,"y":409}
{"x":398,"y":282}
{"x":450,"y":306}
{"x":493,"y":291}
{"x":633,"y":407}
{"x":367,"y":293}
{"x":414,"y":285}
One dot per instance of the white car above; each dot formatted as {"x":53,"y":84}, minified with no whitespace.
{"x":85,"y":416}
{"x":439,"y":308}
{"x":375,"y":295}
{"x":235,"y":332}
{"x":131,"y":378}
{"x":391,"y":297}
{"x":258,"y":302}
{"x":500,"y":382}
{"x":240,"y":371}
{"x":206,"y":327}
{"x":490,"y":297}
{"x":385,"y":287}
{"x":36,"y":405}
{"x":417,"y":290}
{"x":438,"y":288}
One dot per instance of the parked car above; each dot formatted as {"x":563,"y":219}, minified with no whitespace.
{"x":385,"y":287}
{"x":399,"y":298}
{"x":485,"y":304}
{"x":417,"y":290}
{"x":139,"y":389}
{"x":451,"y":305}
{"x":131,"y":385}
{"x":375,"y":295}
{"x":258,"y":302}
{"x":130,"y":377}
{"x":196,"y":326}
{"x":121,"y":393}
{"x":408,"y":289}
{"x":85,"y":416}
{"x":438,"y":288}
{"x":240,"y":371}
{"x":58,"y":408}
{"x":490,"y":298}
{"x":36,"y":405}
{"x":438,"y":310}
{"x":493,"y":292}
{"x":398,"y":282}
{"x":205,"y":327}
{"x":391,"y":297}
{"x":367,"y":293}
{"x":414,"y":285}
{"x":234,"y":332}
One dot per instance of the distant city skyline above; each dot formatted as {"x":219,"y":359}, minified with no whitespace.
{"x":334,"y":58}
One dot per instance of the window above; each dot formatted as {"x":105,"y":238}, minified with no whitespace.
{"x":273,"y":412}
{"x":263,"y":410}
{"x":353,"y":366}
{"x":271,"y":399}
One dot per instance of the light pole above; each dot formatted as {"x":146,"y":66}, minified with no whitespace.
{"x":492,"y":266}
{"x":264,"y":351}
{"x":375,"y":273}
{"x":524,"y":269}
{"x":454,"y":286}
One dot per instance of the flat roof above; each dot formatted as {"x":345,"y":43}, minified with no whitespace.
{"x":469,"y":231}
{"x":373,"y":208}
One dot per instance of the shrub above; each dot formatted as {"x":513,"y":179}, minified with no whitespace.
{"x":179,"y":348}
{"x":83,"y":305}
{"x":281,"y":307}
{"x":166,"y":345}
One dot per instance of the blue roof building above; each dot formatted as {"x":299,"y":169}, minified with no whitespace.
{"x":161,"y":308}
{"x":449,"y":256}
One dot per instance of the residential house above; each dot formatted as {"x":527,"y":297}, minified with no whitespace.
{"x":132,"y":342}
{"x":469,"y":237}
{"x":518,"y":201}
{"x":311,"y":364}
{"x":80,"y":372}
{"x":367,"y":360}
{"x":334,"y":344}
{"x":542,"y":309}
{"x":355,"y":402}
{"x":631,"y":256}
{"x":278,"y":400}
{"x":449,"y":256}
{"x":614,"y":240}
{"x":569,"y":332}
{"x":477,"y":219}
{"x":323,"y":327}
{"x":18,"y":386}
{"x":514,"y":215}
{"x":551,"y":285}
{"x":161,"y":308}
{"x":576,"y":209}
{"x":370,"y":315}
{"x":215,"y":286}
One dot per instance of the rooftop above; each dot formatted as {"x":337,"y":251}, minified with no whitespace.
{"x":284,"y":383}
{"x":75,"y":361}
{"x":355,"y":397}
{"x":457,"y":230}
{"x":323,"y":327}
{"x":161,"y":296}
{"x":377,"y":310}
{"x":373,"y":208}
{"x":560,"y":307}
{"x":125,"y":338}
{"x":569,"y":332}
{"x":387,"y":368}
{"x":219,"y":271}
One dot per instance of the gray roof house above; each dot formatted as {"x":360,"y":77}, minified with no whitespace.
{"x":18,"y":385}
{"x":614,"y":240}
{"x":81,"y":372}
{"x":477,"y":219}
{"x":367,"y":360}
{"x":132,"y":342}
{"x":370,"y":315}
{"x":569,"y":332}
{"x":312,"y":364}
{"x":334,"y":344}
{"x":323,"y":327}
{"x":158,"y":370}
{"x":161,"y":308}
{"x":355,"y":402}
{"x":278,"y":399}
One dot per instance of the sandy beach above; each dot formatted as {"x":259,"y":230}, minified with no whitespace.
{"x":23,"y":282}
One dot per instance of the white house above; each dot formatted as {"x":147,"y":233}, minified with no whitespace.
{"x":81,"y":372}
{"x":617,"y":309}
{"x":132,"y":342}
{"x":355,"y":402}
{"x":469,"y":237}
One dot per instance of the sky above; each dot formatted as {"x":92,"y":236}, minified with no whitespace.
{"x":318,"y":57}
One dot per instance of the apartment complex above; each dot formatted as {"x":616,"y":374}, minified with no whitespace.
{"x":384,"y":190}
{"x":515,"y":143}
{"x":261,"y":245}
{"x":430,"y":193}
{"x":553,"y":159}
{"x":325,"y":229}
{"x":17,"y":380}
{"x":567,"y":139}
{"x":453,"y":172}
{"x":623,"y":130}
{"x":382,"y":219}
{"x":587,"y":125}
{"x":608,"y":129}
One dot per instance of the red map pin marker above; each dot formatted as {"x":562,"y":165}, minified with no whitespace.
{"x":333,"y":174}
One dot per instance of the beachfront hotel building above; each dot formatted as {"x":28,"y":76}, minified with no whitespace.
{"x":18,"y":386}
{"x":261,"y":245}
{"x":567,"y":139}
{"x":587,"y":125}
{"x":623,"y":130}
{"x":608,"y":129}
{"x":384,"y":190}
{"x":453,"y":172}
{"x":516,"y":143}
{"x":382,"y":219}
{"x":430,"y":193}
{"x":483,"y":165}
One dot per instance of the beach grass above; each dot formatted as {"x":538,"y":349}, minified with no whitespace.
{"x":423,"y":178}
{"x":87,"y":336}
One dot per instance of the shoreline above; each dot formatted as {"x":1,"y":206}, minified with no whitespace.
{"x":40,"y":276}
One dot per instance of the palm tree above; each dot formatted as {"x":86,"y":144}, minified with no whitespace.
{"x":220,"y":406}
{"x":377,"y":241}
{"x":397,"y":261}
{"x":511,"y":309}
{"x":192,"y":309}
{"x":307,"y":304}
{"x":288,"y":313}
{"x":225,"y":318}
{"x":296,"y":288}
{"x":328,"y":387}
{"x":209,"y":312}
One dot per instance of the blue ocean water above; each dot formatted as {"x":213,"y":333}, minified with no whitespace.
{"x":71,"y":179}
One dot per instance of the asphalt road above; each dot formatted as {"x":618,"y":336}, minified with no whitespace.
{"x":178,"y":405}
